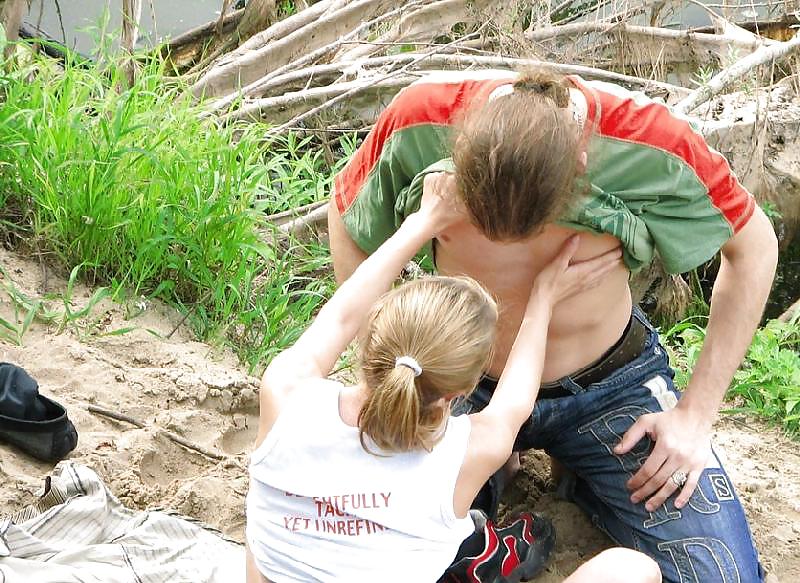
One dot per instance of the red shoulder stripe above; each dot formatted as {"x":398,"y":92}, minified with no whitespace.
{"x":653,"y":125}
{"x":427,"y":102}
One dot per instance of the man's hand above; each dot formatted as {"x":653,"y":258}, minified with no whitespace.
{"x":440,"y":203}
{"x":682,"y":447}
{"x":682,"y":435}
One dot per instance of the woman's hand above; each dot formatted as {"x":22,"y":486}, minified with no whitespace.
{"x":562,"y":277}
{"x":440,"y":205}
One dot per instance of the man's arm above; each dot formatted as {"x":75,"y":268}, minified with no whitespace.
{"x":682,"y":435}
{"x":345,"y":253}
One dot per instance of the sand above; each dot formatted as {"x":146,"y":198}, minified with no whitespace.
{"x":203,"y":395}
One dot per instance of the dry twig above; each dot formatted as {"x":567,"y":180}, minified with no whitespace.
{"x":790,"y":312}
{"x":360,"y":87}
{"x":736,"y":71}
{"x":256,"y":87}
{"x":168,"y":434}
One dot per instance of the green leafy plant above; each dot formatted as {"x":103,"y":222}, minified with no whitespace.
{"x":771,"y":210}
{"x":137,"y":191}
{"x":768,"y":380}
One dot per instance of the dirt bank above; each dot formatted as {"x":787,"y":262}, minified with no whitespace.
{"x":197,"y":392}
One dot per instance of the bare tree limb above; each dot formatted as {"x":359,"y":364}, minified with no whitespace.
{"x":790,"y":312}
{"x":764,"y":55}
{"x":297,"y":100}
{"x":221,"y":20}
{"x":284,"y":27}
{"x":11,"y":18}
{"x":242,"y":70}
{"x":168,"y":434}
{"x":284,"y":217}
{"x":131,"y":16}
{"x":258,"y":14}
{"x":292,"y":81}
{"x":650,"y":32}
{"x":334,"y":100}
{"x":422,"y":24}
{"x":201,"y":33}
{"x":255,"y":87}
{"x":307,"y":221}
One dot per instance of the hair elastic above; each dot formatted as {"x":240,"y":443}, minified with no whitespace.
{"x":501,"y":91}
{"x":408,"y":362}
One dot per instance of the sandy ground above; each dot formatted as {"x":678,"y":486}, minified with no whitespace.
{"x":202,"y":394}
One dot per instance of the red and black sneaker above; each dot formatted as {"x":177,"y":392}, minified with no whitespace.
{"x":514,"y":553}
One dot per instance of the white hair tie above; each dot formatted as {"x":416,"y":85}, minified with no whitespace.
{"x":408,"y":362}
{"x":501,"y":91}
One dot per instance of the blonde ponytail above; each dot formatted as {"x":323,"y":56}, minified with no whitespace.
{"x":398,"y":394}
{"x":425,"y":342}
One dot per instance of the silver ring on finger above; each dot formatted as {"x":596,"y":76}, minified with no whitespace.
{"x":679,"y":478}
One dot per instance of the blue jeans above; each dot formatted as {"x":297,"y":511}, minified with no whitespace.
{"x":706,"y":541}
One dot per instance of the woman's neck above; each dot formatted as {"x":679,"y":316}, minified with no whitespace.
{"x":351,"y":400}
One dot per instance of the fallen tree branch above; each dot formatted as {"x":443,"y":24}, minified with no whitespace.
{"x":242,"y":70}
{"x":764,"y":55}
{"x":309,"y":220}
{"x":202,"y":32}
{"x":351,"y":92}
{"x":11,"y":15}
{"x":283,"y":217}
{"x":258,"y":15}
{"x":424,"y":23}
{"x":293,"y":80}
{"x":131,"y":17}
{"x":649,"y":32}
{"x":255,"y":87}
{"x":257,"y":108}
{"x":282,"y":28}
{"x":168,"y":434}
{"x":791,"y":312}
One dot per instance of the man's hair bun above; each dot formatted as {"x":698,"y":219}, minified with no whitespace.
{"x":544,"y":82}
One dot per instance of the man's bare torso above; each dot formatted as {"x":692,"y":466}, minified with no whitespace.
{"x":582,"y":328}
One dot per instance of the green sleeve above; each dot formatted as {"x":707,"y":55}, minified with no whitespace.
{"x":386,"y":198}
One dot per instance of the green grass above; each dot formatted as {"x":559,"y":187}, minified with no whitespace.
{"x":150,"y":198}
{"x":768,"y":381}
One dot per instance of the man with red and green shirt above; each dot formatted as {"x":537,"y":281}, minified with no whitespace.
{"x":639,"y":459}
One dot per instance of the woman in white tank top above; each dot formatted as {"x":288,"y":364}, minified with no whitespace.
{"x":374,"y":482}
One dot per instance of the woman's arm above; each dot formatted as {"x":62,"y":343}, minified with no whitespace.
{"x":495,"y":428}
{"x":338,"y":322}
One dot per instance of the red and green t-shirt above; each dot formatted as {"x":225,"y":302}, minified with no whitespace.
{"x":654,"y":183}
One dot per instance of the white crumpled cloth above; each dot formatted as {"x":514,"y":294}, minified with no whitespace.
{"x":78,"y":532}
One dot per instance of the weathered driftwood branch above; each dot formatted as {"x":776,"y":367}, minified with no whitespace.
{"x":288,"y":216}
{"x":105,"y":412}
{"x":358,"y":88}
{"x":648,"y":32}
{"x":229,"y":75}
{"x":221,"y":20}
{"x":131,"y":16}
{"x":766,"y":54}
{"x":185,"y":49}
{"x":291,"y":84}
{"x":11,"y":14}
{"x":284,"y":27}
{"x":200,"y":34}
{"x":791,"y":312}
{"x":256,"y":87}
{"x":258,"y":15}
{"x":309,"y":220}
{"x":299,"y":100}
{"x":421,"y":24}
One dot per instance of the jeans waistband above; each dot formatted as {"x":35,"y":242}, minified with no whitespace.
{"x":630,"y":345}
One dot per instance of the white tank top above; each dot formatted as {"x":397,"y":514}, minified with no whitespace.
{"x":320,"y":508}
